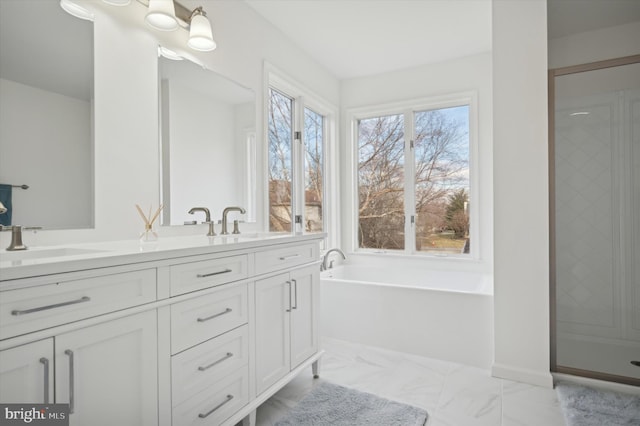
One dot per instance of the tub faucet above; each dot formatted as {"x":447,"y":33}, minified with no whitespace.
{"x":224,"y":219}
{"x":325,"y":258}
{"x":207,"y":219}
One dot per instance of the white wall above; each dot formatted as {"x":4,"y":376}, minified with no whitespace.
{"x":43,"y":140}
{"x":471,"y":73}
{"x":598,"y":45}
{"x":126,"y":103}
{"x":520,"y":149}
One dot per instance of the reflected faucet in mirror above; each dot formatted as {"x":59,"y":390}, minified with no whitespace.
{"x":207,"y":219}
{"x":224,"y":219}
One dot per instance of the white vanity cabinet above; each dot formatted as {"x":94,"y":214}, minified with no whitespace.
{"x":176,"y":336}
{"x":107,"y":372}
{"x":26,"y":373}
{"x":286,"y":323}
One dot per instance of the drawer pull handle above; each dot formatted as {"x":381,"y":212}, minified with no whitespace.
{"x":226,"y":271}
{"x":295,"y":291}
{"x":206,"y":367}
{"x":217,"y":407}
{"x":226,"y":311}
{"x":72,"y":398}
{"x":57,"y":305}
{"x":45,"y":362}
{"x":293,"y":256}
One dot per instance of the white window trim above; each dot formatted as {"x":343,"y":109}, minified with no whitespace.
{"x":279,"y":80}
{"x":408,"y":108}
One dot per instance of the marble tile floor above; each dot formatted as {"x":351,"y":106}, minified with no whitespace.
{"x":452,"y":394}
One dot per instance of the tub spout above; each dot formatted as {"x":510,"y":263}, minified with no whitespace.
{"x":325,"y":259}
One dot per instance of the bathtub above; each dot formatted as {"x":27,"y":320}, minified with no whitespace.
{"x":438,"y":314}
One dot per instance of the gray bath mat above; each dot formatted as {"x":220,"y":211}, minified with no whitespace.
{"x":585,"y":406}
{"x":332,"y":405}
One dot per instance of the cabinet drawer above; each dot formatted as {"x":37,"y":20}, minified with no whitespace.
{"x":199,"y":319}
{"x":286,"y":256}
{"x":215,"y":404}
{"x":194,"y":276}
{"x":30,"y":309}
{"x":195,"y":369}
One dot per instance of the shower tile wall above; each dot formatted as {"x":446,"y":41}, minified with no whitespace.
{"x":597,"y":194}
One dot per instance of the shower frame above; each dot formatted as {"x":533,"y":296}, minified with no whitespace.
{"x":552,"y":74}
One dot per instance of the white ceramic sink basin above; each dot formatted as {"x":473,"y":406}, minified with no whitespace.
{"x":10,"y":256}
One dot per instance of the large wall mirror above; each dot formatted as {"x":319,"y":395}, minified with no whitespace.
{"x":46,"y":116}
{"x":208,"y":142}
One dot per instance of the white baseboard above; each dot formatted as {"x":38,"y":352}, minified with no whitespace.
{"x":534,"y":377}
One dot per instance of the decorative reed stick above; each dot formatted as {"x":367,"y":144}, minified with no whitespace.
{"x":148,"y":220}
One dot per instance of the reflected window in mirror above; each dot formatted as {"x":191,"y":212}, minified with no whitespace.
{"x":46,"y":114}
{"x":208,"y":142}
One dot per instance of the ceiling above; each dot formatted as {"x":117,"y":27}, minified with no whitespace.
{"x":355,"y":38}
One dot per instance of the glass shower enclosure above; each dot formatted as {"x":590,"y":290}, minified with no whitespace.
{"x":594,"y":153}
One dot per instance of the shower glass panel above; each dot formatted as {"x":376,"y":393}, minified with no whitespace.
{"x":596,"y":151}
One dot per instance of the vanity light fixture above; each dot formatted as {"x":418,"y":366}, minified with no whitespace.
{"x":200,"y":37}
{"x":162,"y":15}
{"x":168,"y":15}
{"x":78,"y":11}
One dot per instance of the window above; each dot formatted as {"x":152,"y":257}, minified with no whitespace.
{"x":313,"y":171}
{"x":299,"y":130}
{"x":413,"y":179}
{"x":280,"y":137}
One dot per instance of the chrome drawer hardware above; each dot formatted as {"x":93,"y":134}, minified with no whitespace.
{"x":227,"y":356}
{"x":290,"y":305}
{"x":226,"y":311}
{"x":57,"y":305}
{"x":293,"y":256}
{"x":72,"y":398}
{"x":214,"y":273}
{"x":217,"y":407}
{"x":45,"y":362}
{"x":295,"y":289}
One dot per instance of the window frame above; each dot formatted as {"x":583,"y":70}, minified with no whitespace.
{"x":305,"y":98}
{"x":409,"y":108}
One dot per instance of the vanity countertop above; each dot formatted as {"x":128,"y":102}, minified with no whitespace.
{"x":46,"y":260}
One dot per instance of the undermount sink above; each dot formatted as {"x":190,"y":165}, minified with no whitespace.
{"x":10,"y":256}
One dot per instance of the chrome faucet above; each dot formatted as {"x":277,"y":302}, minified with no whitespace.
{"x":207,"y":219}
{"x":325,"y":258}
{"x":16,"y":236}
{"x":224,"y":219}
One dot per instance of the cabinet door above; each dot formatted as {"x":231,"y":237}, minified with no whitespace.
{"x":273,"y":303}
{"x":26,"y":373}
{"x":108,"y":372}
{"x":304,"y":314}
